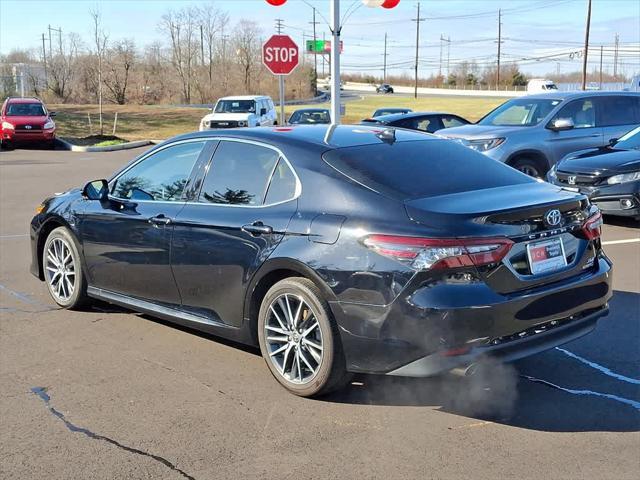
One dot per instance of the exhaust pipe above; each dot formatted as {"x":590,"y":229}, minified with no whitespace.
{"x":467,"y":371}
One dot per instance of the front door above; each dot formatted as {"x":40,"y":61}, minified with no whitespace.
{"x":126,"y":240}
{"x":244,"y":207}
{"x":585,"y":133}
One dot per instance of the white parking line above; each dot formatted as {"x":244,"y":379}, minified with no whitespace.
{"x":600,"y":368}
{"x":617,"y":242}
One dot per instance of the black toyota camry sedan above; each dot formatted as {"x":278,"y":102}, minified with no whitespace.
{"x":335,"y":249}
{"x":609,"y":175}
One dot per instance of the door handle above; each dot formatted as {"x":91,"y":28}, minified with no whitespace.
{"x":257,"y":228}
{"x":160,"y":220}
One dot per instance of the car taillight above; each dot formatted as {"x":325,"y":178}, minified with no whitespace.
{"x":592,"y":227}
{"x":434,"y":253}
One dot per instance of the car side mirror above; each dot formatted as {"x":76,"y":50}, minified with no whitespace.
{"x":263,"y":111}
{"x":96,"y":190}
{"x":52,"y":114}
{"x":613,"y":141}
{"x":560,"y":124}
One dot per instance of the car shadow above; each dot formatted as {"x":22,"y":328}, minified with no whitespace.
{"x":553,"y":391}
{"x":621,"y":221}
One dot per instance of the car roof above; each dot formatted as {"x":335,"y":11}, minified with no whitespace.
{"x":23,"y":100}
{"x":579,"y":94}
{"x":311,"y":110}
{"x":245,"y":97}
{"x":392,"y":117}
{"x":324,"y":137}
{"x":394,"y":109}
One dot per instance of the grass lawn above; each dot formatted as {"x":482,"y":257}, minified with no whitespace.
{"x":150,"y":122}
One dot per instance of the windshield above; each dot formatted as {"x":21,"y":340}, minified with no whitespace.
{"x":235,"y":106}
{"x":524,"y":112}
{"x":310,"y":116}
{"x":630,"y":140}
{"x":25,"y":110}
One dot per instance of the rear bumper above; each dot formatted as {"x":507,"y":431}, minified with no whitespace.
{"x":530,"y":343}
{"x":434,"y":327}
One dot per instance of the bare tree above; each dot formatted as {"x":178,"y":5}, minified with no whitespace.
{"x":62,"y":68}
{"x":119,"y":60}
{"x":181,"y":27}
{"x":212,"y":22}
{"x":100,"y":39}
{"x":247,"y":46}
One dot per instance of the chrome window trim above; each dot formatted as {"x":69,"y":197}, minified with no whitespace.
{"x":297,"y":193}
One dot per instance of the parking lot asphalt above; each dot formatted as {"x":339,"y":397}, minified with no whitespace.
{"x":110,"y":394}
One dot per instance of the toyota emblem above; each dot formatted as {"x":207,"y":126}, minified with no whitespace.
{"x":553,"y":217}
{"x":27,"y":127}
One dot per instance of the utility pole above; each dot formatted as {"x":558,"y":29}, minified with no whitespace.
{"x":448,"y":53}
{"x":615,"y":58}
{"x":417,"y":20}
{"x":315,"y":54}
{"x":600,"y":67}
{"x":586,"y":48}
{"x":44,"y":61}
{"x":334,"y":19}
{"x":324,"y":55}
{"x":201,"y":45}
{"x":49,"y":42}
{"x":499,"y":45}
{"x":384,"y":68}
{"x":279,"y":26}
{"x":440,"y":65}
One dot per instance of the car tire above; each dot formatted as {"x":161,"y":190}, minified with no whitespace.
{"x":62,"y":266}
{"x":308,"y":359}
{"x":529,"y":167}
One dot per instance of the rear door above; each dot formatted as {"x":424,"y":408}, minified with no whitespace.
{"x":585,"y":133}
{"x":618,"y":114}
{"x":241,"y":214}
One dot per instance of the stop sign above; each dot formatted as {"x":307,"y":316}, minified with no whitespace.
{"x":280,"y":54}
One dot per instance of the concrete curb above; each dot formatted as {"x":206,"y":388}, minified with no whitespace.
{"x":110,"y":148}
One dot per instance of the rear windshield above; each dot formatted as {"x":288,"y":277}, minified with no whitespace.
{"x":420,"y":169}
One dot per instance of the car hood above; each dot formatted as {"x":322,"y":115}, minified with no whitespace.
{"x":27,"y":120}
{"x":228,"y":116}
{"x":602,"y":160}
{"x":478,"y":131}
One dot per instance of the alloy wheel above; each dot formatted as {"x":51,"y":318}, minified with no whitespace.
{"x":293,"y":338}
{"x":60,"y":269}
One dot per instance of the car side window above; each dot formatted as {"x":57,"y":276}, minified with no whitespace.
{"x":449,"y":122}
{"x":619,"y":110}
{"x":161,"y":176}
{"x":239,"y":174}
{"x":582,"y":112}
{"x":283,"y":184}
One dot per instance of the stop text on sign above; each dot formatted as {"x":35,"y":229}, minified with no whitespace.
{"x":280,"y":54}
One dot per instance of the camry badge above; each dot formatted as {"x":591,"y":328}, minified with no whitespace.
{"x":571,"y":179}
{"x":553,"y":217}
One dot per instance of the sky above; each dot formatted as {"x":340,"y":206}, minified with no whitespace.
{"x":531,"y":29}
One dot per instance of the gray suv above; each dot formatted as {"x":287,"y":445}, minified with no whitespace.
{"x":532,"y":133}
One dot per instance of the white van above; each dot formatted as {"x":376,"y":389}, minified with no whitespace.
{"x":537,"y":85}
{"x":241,"y":111}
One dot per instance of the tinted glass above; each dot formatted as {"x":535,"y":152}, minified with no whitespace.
{"x":282,"y":186}
{"x":235,"y":106}
{"x":520,"y":112}
{"x":582,"y":112}
{"x":449,"y":122}
{"x":429,"y":124}
{"x":310,"y":116}
{"x":621,"y":110}
{"x":239,"y":174}
{"x":25,"y":110}
{"x":630,"y":140}
{"x":161,"y":176}
{"x":419,"y":169}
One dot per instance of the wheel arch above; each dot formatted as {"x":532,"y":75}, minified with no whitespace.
{"x":45,"y":229}
{"x":536,"y":155}
{"x":268,"y":275}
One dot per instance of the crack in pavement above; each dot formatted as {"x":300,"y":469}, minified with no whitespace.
{"x":42,"y":393}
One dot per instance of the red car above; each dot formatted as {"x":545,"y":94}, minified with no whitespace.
{"x":26,"y":120}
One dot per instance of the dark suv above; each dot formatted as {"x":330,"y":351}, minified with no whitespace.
{"x":532,"y":133}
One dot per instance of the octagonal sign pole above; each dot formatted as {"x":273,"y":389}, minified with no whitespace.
{"x":280,"y":56}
